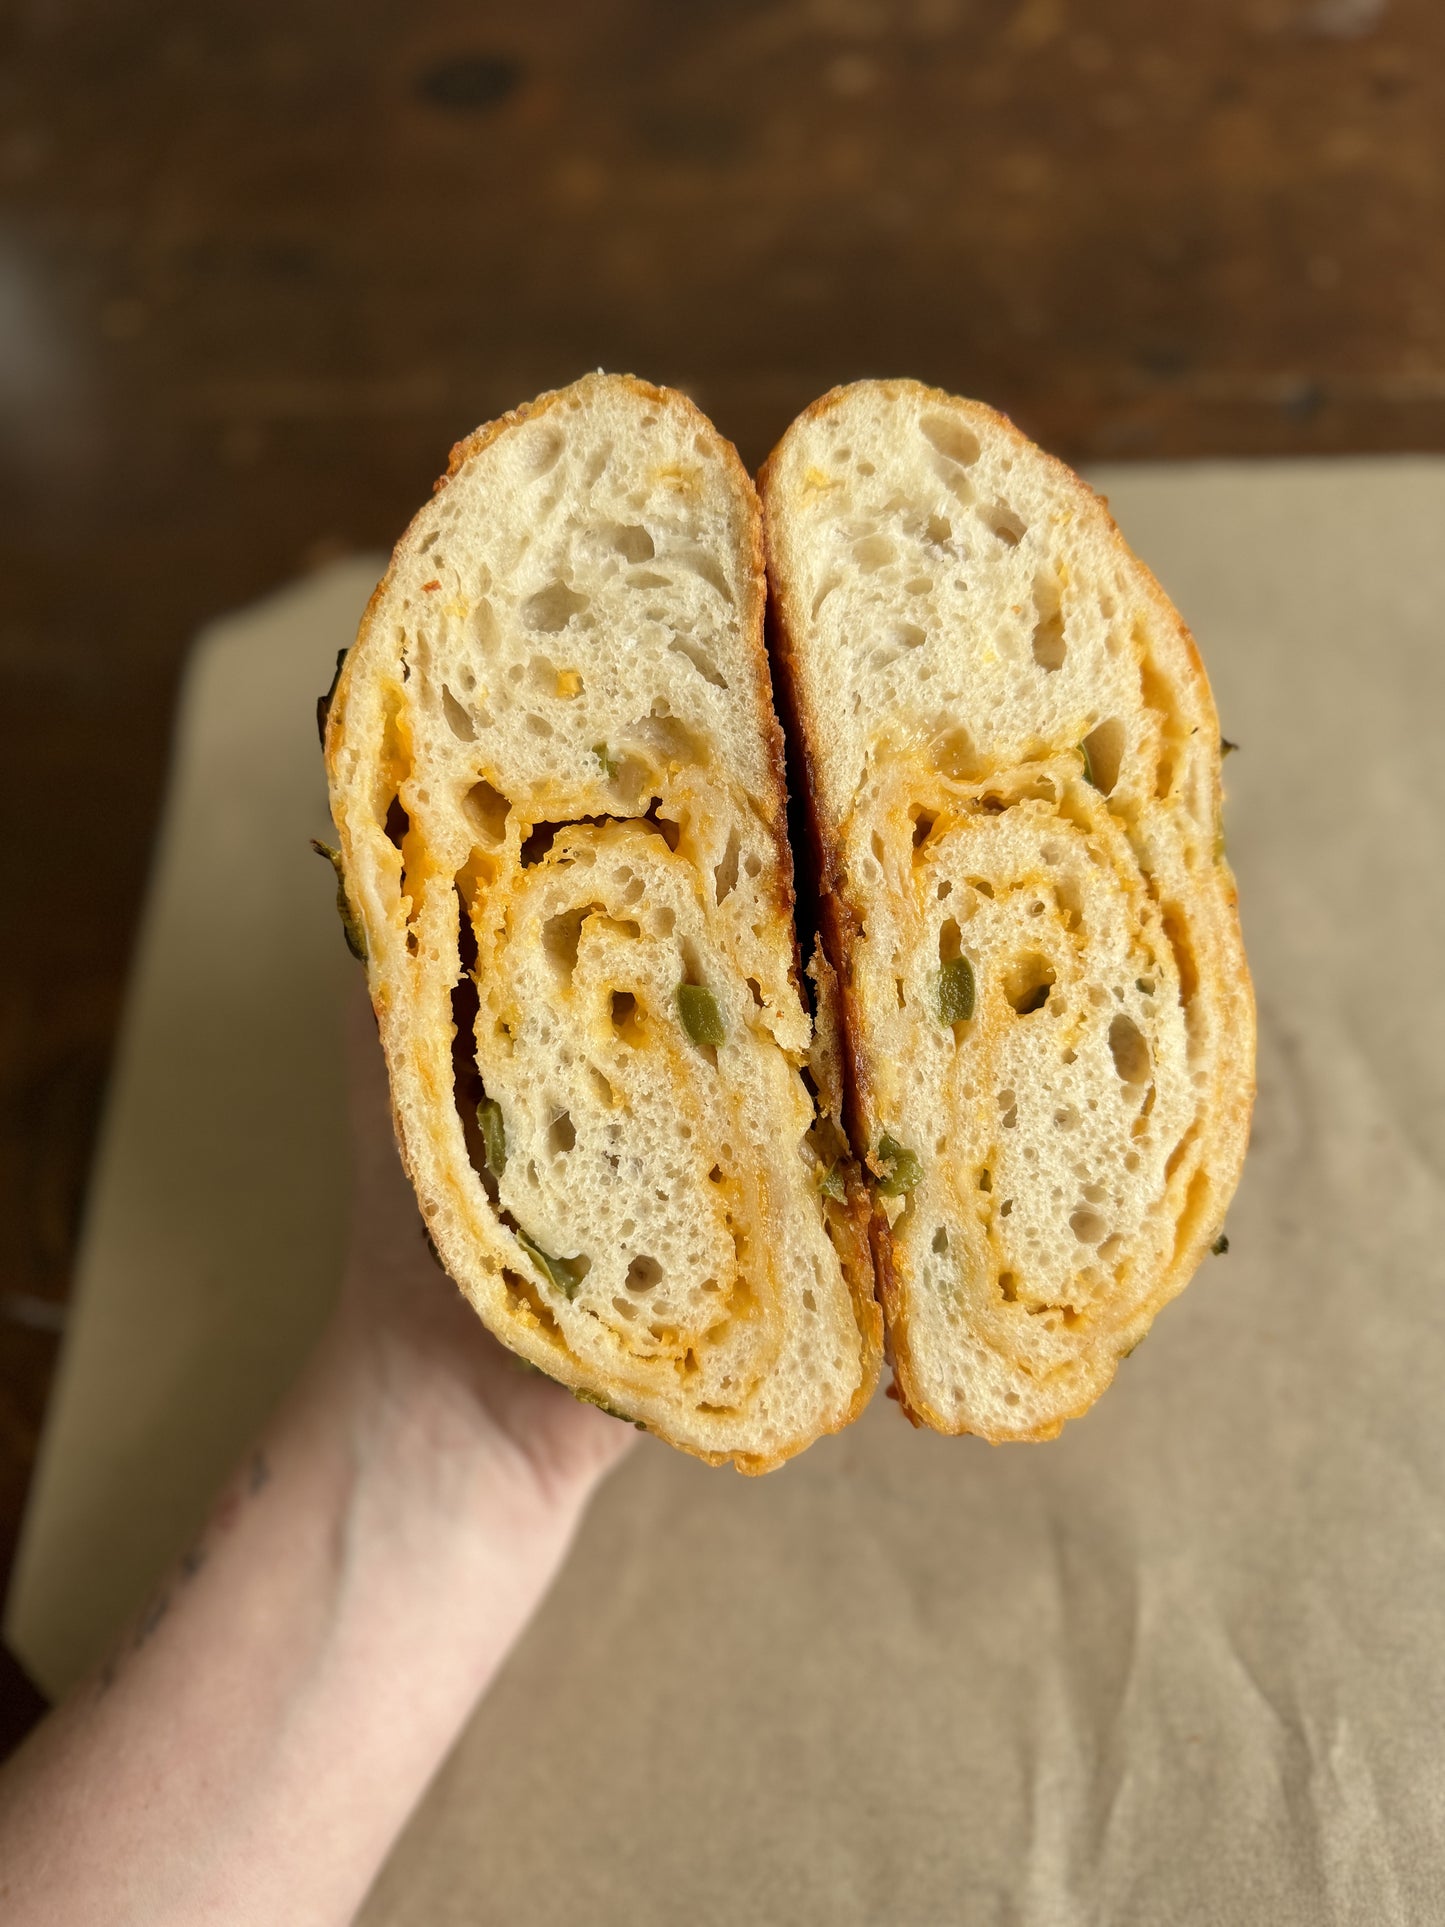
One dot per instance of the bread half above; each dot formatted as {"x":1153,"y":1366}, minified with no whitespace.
{"x":555,"y":775}
{"x":1012,"y":771}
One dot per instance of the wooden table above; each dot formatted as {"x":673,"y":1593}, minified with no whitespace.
{"x":260,"y":264}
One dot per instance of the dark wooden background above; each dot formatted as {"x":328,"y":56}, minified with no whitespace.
{"x":261,"y":263}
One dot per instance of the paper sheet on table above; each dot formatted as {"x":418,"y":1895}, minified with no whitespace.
{"x":1187,"y":1664}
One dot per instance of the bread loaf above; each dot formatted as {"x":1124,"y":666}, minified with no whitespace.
{"x":555,"y":774}
{"x":1012,"y":770}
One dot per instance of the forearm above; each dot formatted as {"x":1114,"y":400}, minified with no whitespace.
{"x":261,"y":1734}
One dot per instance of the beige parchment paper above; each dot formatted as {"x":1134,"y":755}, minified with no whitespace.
{"x":1184,"y":1665}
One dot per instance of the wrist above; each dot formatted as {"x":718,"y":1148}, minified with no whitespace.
{"x":448,"y":1426}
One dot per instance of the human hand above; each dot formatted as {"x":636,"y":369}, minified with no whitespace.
{"x":256,"y":1740}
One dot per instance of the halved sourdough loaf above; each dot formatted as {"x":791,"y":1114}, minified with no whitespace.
{"x":1012,"y":767}
{"x":556,"y":776}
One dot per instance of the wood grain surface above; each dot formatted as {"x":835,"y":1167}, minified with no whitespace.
{"x":260,"y":264}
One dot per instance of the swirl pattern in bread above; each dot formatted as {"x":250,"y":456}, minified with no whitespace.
{"x":1012,"y":764}
{"x":555,"y":773}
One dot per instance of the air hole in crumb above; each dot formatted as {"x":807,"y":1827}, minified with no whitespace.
{"x":1177,"y":931}
{"x":1009,"y":1106}
{"x":643,"y":1273}
{"x":667,"y":829}
{"x":458,"y":721}
{"x":539,"y":726}
{"x":954,"y":755}
{"x":923,"y":823}
{"x":1010,"y":1398}
{"x":1105,"y":746}
{"x":701,"y":661}
{"x":486,"y":810}
{"x":546,"y":446}
{"x":1000,"y":520}
{"x":725,"y":872}
{"x":939,"y":530}
{"x":633,"y":542}
{"x":560,"y":1135}
{"x":1027,"y":983}
{"x":1070,"y":900}
{"x":1129,"y":1049}
{"x":397,"y":822}
{"x":822,"y":596}
{"x":919,"y":585}
{"x":940,"y":1240}
{"x":1088,"y":1227}
{"x":1008,"y":1285}
{"x":951,"y":437}
{"x":950,"y":941}
{"x":985,"y":1180}
{"x":537,"y":843}
{"x":601,"y":1088}
{"x":561,"y":935}
{"x":710,"y":570}
{"x":873,"y":552}
{"x":1049,"y":645}
{"x":626,"y":1016}
{"x":552,"y":608}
